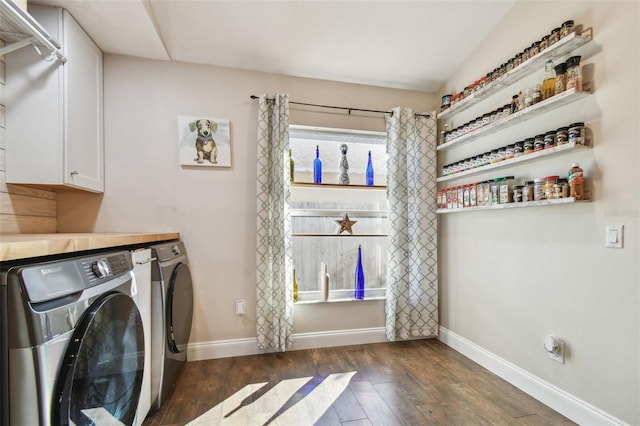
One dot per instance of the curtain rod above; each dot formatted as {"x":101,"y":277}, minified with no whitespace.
{"x":349,"y":109}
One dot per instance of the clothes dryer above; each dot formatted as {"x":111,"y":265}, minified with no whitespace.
{"x":171,"y":317}
{"x":72,"y":342}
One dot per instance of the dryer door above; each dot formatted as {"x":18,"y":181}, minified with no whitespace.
{"x":101,"y":375}
{"x":179,"y":308}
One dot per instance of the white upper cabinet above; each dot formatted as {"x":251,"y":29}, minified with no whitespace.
{"x":54,"y":128}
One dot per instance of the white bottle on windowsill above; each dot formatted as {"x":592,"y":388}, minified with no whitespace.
{"x":323,"y":281}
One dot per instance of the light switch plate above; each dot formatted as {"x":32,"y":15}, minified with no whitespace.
{"x":613,"y":236}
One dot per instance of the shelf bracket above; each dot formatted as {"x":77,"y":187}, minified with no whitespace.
{"x":17,"y":45}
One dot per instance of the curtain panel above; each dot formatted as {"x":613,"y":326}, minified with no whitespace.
{"x":412,"y":271}
{"x":274,"y":264}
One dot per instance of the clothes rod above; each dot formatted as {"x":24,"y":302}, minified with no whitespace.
{"x":349,"y":109}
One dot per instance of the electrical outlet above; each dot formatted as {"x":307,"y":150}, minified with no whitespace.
{"x":558,"y":354}
{"x":240,"y":307}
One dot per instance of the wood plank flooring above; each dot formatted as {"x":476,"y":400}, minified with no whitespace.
{"x":421,"y":382}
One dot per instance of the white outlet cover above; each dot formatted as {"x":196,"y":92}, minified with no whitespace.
{"x":614,"y":236}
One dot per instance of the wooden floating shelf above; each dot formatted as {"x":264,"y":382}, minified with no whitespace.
{"x":335,"y":185}
{"x":556,"y":151}
{"x":558,"y":50}
{"x":338,"y":213}
{"x":337,"y":235}
{"x":564,"y":98}
{"x":541,"y":203}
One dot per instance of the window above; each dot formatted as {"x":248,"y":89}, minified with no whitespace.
{"x":316,"y":208}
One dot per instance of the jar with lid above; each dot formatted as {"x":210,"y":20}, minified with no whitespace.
{"x":535,"y":49}
{"x":509,"y":65}
{"x":502,"y":153}
{"x":465,"y":195}
{"x":486,"y":192}
{"x":538,"y":189}
{"x":554,"y":36}
{"x":577,"y":133}
{"x":549,"y":82}
{"x":527,"y":191}
{"x":561,"y":78}
{"x":528,"y":97}
{"x":518,"y":149}
{"x":460,"y":197}
{"x":536,"y":93}
{"x":509,"y":152}
{"x":525,"y":54}
{"x":517,"y":60}
{"x":473,"y":195}
{"x":566,"y":29}
{"x":576,"y":182}
{"x":517,"y":193}
{"x":574,"y":73}
{"x":550,"y":139}
{"x":495,"y":191}
{"x":486,"y":158}
{"x":561,"y":188}
{"x":528,"y":146}
{"x":544,"y":43}
{"x":506,"y":110}
{"x":493,"y":156}
{"x":562,"y":136}
{"x":538,"y":143}
{"x":549,"y":182}
{"x":505,"y":190}
{"x":450,"y":198}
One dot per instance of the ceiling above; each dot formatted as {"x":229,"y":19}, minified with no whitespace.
{"x":414,"y":45}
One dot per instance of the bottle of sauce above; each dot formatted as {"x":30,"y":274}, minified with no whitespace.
{"x":549,"y":82}
{"x":576,"y":182}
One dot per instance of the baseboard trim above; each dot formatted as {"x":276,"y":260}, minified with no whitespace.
{"x":249,"y":346}
{"x":566,"y":404}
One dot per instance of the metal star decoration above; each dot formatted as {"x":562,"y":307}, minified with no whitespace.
{"x":345,"y":224}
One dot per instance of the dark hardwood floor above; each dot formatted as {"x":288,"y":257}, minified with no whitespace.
{"x":421,"y":382}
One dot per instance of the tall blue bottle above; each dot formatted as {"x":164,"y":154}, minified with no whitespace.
{"x":359,"y":292}
{"x":317,"y":167}
{"x":369,"y":171}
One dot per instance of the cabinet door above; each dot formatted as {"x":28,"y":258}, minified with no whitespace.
{"x":84,"y":146}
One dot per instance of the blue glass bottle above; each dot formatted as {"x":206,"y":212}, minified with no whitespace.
{"x":369,"y":171}
{"x":317,"y":167}
{"x":359,"y":293}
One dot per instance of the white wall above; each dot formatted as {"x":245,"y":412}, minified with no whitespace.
{"x":213,"y":209}
{"x":508,"y":278}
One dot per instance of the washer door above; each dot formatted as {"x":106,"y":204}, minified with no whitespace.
{"x":101,"y":375}
{"x":179,"y":308}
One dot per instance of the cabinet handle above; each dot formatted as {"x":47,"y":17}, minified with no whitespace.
{"x":142,"y":262}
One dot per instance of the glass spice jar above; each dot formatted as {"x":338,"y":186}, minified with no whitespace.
{"x":518,"y":149}
{"x":517,"y":60}
{"x":538,"y":143}
{"x":505,"y":195}
{"x":561,"y":78}
{"x":525,"y":54}
{"x":508,"y":155}
{"x":549,"y":183}
{"x":517,"y":193}
{"x":535,"y":49}
{"x":554,"y":36}
{"x":577,"y":133}
{"x":527,"y":191}
{"x":528,"y":146}
{"x":550,"y":139}
{"x":502,"y":153}
{"x":495,"y":191}
{"x":562,"y":136}
{"x":566,"y":29}
{"x":544,"y":43}
{"x":538,"y":189}
{"x":574,"y":73}
{"x":536,"y":93}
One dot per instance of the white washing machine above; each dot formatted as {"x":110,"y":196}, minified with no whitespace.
{"x":72,"y":342}
{"x":171,"y":316}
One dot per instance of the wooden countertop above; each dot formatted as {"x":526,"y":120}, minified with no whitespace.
{"x":24,"y":246}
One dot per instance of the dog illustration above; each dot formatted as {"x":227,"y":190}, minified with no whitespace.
{"x":206,"y":148}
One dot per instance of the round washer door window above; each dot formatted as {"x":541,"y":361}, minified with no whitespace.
{"x":179,"y":308}
{"x":101,"y":376}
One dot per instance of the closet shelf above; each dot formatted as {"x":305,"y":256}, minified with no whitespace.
{"x":335,"y":185}
{"x":19,"y":29}
{"x":564,"y":98}
{"x":541,"y":203}
{"x":556,"y":151}
{"x":563,"y":47}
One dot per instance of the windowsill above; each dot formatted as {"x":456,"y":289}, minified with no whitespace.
{"x":314,"y":302}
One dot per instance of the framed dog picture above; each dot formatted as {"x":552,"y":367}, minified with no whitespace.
{"x":204,"y":141}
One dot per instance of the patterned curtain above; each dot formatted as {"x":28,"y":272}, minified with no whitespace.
{"x":412,"y":271}
{"x":274,"y":264}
